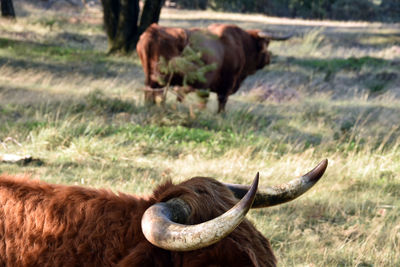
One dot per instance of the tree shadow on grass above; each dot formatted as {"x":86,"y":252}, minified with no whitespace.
{"x":336,"y":64}
{"x":21,"y":103}
{"x":289,"y":25}
{"x":59,"y":70}
{"x":59,"y":60}
{"x":336,"y":35}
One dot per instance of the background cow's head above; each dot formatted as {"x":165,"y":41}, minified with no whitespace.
{"x":262,"y":40}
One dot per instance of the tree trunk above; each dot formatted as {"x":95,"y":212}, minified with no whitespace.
{"x":202,"y":4}
{"x":151,"y":13}
{"x":121,"y":22}
{"x":7,"y":9}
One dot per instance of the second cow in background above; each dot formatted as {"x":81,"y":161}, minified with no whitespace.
{"x":232,"y":53}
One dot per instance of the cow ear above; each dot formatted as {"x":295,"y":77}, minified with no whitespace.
{"x":263,"y":43}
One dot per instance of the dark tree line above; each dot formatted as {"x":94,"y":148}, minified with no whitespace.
{"x":123,"y":25}
{"x":7,"y":9}
{"x":383,"y":10}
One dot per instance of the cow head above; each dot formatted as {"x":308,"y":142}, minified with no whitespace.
{"x":264,"y":56}
{"x":202,"y":219}
{"x":262,"y":40}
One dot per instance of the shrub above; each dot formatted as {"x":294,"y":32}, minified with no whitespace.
{"x":192,"y":4}
{"x":355,"y":10}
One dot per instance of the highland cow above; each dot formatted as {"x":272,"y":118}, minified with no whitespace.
{"x":199,"y":222}
{"x":234,"y":53}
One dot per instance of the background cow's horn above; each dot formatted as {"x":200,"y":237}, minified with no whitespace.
{"x":160,"y":228}
{"x":275,"y":195}
{"x":272,"y":36}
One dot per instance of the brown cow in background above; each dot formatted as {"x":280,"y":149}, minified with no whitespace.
{"x":199,"y":222}
{"x":235,"y":53}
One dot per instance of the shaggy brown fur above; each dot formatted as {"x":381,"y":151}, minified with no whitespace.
{"x":236,"y":54}
{"x":56,"y":225}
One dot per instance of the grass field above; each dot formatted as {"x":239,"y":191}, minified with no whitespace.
{"x":333,"y":91}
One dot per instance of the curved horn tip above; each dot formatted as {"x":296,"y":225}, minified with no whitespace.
{"x":257,"y":178}
{"x":315,"y":174}
{"x":251,"y":194}
{"x":254,"y":185}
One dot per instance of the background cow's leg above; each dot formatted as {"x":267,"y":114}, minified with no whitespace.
{"x":149,"y":96}
{"x":153,"y":95}
{"x":182,"y":91}
{"x":222,"y":98}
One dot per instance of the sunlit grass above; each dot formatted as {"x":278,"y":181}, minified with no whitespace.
{"x":81,"y":113}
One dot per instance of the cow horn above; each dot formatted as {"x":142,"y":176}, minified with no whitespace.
{"x":275,"y":195}
{"x":274,"y":37}
{"x":161,"y":228}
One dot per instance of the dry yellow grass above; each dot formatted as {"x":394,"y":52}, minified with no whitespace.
{"x":65,"y":102}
